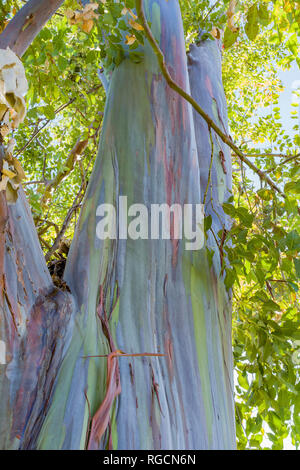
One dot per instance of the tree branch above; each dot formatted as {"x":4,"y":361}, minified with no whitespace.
{"x":211,"y":9}
{"x":283,"y":155}
{"x":27,"y":23}
{"x":226,"y":139}
{"x":76,"y":151}
{"x":75,"y":205}
{"x":289,"y":159}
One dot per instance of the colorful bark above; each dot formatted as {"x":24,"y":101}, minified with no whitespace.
{"x":34,"y":325}
{"x":156,"y":296}
{"x":136,"y":295}
{"x":204,"y":65}
{"x":35,"y":317}
{"x":27,"y":23}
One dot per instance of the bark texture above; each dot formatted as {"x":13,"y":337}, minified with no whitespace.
{"x":36,"y":318}
{"x":132,"y":295}
{"x":27,"y":23}
{"x":34,"y":324}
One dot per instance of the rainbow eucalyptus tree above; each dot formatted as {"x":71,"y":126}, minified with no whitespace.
{"x":66,"y":383}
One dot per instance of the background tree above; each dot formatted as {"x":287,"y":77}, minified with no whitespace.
{"x":110,"y":306}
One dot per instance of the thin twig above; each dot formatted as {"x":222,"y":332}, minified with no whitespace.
{"x":289,"y":159}
{"x":26,"y":183}
{"x":66,"y":223}
{"x":284,"y":155}
{"x":211,"y":9}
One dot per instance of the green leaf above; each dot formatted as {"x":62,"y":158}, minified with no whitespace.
{"x":265,"y":194}
{"x":245,"y":216}
{"x":230,"y":278}
{"x":260,"y":274}
{"x":292,"y":187}
{"x":242,"y":380}
{"x":49,"y":112}
{"x":207,"y":223}
{"x":263,"y":14}
{"x":292,"y":240}
{"x":270,"y":305}
{"x":230,"y":37}
{"x":252,"y":26}
{"x":229,"y":209}
{"x":292,"y":44}
{"x":62,"y":63}
{"x":297,"y":266}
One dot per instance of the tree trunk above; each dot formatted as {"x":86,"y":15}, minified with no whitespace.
{"x":137,"y":296}
{"x":35,"y":322}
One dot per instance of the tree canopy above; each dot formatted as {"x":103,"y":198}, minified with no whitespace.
{"x":68,"y":66}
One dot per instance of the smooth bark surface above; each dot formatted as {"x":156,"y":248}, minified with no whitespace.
{"x":27,"y":23}
{"x":35,"y":320}
{"x":157,"y":296}
{"x":137,"y":296}
{"x":35,"y":317}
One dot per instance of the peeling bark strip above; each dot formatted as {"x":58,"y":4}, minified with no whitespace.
{"x":101,"y":418}
{"x":27,"y":23}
